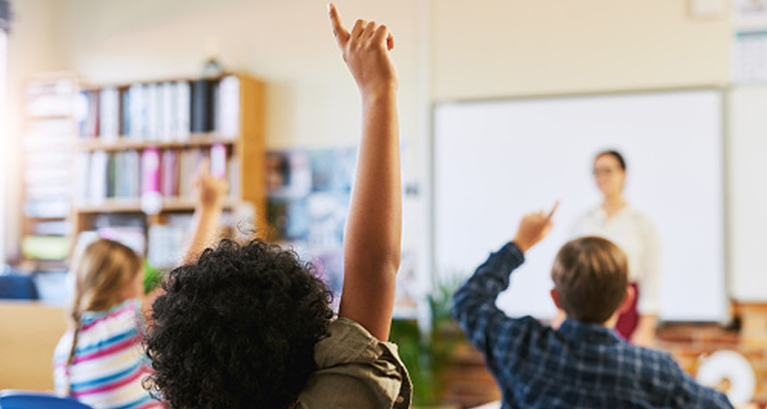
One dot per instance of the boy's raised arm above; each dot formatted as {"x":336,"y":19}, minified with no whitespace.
{"x":374,"y":226}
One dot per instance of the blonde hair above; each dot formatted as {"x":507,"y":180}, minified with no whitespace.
{"x":591,"y":276}
{"x":102,"y":272}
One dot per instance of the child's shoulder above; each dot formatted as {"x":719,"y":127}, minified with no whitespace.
{"x":126,"y":311}
{"x":654,"y":358}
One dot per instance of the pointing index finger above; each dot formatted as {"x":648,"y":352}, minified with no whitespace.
{"x":551,"y":214}
{"x":341,"y":34}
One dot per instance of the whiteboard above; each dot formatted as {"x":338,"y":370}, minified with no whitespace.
{"x":496,"y":160}
{"x":747,"y":123}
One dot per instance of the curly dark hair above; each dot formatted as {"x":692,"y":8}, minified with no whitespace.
{"x":237,"y":329}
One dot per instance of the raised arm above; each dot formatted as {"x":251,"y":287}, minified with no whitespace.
{"x":209,"y":192}
{"x":209,"y":196}
{"x":474,"y":303}
{"x":372,"y":238}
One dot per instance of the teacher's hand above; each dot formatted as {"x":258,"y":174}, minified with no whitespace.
{"x":533,"y":228}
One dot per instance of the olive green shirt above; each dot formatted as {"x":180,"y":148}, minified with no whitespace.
{"x":356,"y":371}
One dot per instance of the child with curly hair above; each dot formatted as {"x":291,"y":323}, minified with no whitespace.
{"x":250,"y":326}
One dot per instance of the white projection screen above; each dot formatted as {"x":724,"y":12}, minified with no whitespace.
{"x":496,"y":160}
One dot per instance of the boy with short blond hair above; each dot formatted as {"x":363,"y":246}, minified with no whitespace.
{"x":584,"y":363}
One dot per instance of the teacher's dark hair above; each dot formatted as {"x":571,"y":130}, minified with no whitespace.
{"x":614,"y":154}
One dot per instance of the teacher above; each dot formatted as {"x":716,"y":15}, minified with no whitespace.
{"x":632,"y":231}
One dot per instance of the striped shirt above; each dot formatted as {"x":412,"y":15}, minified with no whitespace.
{"x":109,"y":363}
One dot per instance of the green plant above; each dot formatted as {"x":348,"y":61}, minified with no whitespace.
{"x":426,"y":354}
{"x":152,"y":277}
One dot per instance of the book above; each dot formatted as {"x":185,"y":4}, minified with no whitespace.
{"x":97,"y":173}
{"x":47,"y":208}
{"x":132,"y":173}
{"x":150,"y":171}
{"x":121,"y":189}
{"x":88,"y":113}
{"x":81,"y":169}
{"x":125,"y":109}
{"x":166,"y":108}
{"x":228,"y":123}
{"x":202,"y":106}
{"x":45,"y":247}
{"x":218,"y":160}
{"x":151,"y":199}
{"x":51,"y":228}
{"x":109,"y":114}
{"x":137,"y":112}
{"x":183,"y":110}
{"x":234,"y":176}
{"x":151,"y":107}
{"x":169,"y":174}
{"x":112,"y":175}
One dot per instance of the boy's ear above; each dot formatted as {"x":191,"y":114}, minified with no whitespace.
{"x":555,"y":297}
{"x":628,"y":299}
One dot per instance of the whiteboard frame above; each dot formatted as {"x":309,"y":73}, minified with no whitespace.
{"x":724,"y":94}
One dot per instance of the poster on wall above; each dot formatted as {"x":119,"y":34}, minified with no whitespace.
{"x":749,"y":15}
{"x":749,"y":56}
{"x":309,"y":195}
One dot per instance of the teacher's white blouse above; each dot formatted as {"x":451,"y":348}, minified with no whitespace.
{"x":636,"y":235}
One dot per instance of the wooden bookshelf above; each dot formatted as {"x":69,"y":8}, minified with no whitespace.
{"x":41,"y":139}
{"x":248,"y":147}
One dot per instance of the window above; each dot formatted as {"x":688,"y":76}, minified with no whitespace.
{"x":4,"y":23}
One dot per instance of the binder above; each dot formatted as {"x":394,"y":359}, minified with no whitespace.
{"x":166,"y":110}
{"x":202,"y":106}
{"x":110,"y":114}
{"x":183,"y":110}
{"x":228,"y":124}
{"x":150,"y":102}
{"x":137,"y":112}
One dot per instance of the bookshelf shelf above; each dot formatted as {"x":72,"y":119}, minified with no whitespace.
{"x":134,"y":206}
{"x":124,"y":143}
{"x":51,"y":117}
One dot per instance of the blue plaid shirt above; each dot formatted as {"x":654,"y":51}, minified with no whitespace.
{"x":580,"y":365}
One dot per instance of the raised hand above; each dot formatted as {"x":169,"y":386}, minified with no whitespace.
{"x":373,"y":236}
{"x":366,"y":50}
{"x":533,"y":228}
{"x":209,"y":190}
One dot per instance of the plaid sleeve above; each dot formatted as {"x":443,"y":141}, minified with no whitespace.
{"x":690,"y":394}
{"x":474,"y":303}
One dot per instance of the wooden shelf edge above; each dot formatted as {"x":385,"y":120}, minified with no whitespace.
{"x":134,"y":206}
{"x":195,"y":140}
{"x":99,"y":85}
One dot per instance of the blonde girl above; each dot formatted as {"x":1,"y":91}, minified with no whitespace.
{"x":100,"y":361}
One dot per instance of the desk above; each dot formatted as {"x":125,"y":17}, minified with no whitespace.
{"x":29,"y":332}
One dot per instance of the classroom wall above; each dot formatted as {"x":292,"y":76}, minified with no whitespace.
{"x":499,"y":48}
{"x":311,"y":99}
